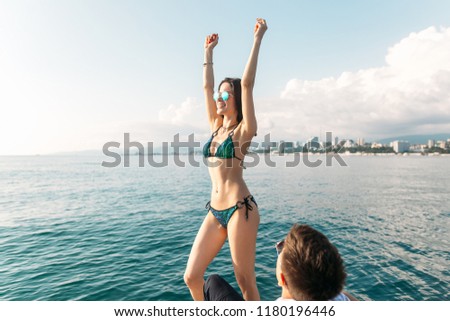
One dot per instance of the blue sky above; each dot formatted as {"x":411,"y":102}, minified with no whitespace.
{"x":76,"y":74}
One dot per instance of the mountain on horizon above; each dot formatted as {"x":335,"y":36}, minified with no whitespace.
{"x":416,"y":139}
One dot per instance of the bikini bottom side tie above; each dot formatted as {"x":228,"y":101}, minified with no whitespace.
{"x":224,"y":216}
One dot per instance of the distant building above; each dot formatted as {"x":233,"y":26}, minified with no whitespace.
{"x":400,"y":146}
{"x":281,"y":147}
{"x":376,"y":145}
{"x":313,"y":143}
{"x":431,"y":143}
{"x":298,"y":146}
{"x":273,"y":149}
{"x":336,"y":141}
{"x":349,"y":143}
{"x":417,"y":148}
{"x":442,"y":144}
{"x":290,"y":147}
{"x":285,"y":147}
{"x":360,"y":142}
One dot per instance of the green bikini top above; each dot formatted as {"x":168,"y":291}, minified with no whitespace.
{"x":224,"y":150}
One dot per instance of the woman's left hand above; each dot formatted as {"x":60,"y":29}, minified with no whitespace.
{"x":260,"y":28}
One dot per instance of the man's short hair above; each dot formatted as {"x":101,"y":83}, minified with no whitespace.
{"x":312,"y":266}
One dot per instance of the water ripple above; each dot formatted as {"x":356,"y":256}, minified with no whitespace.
{"x":76,"y":231}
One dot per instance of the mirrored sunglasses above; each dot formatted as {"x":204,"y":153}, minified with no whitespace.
{"x":225,"y":95}
{"x":279,"y":247}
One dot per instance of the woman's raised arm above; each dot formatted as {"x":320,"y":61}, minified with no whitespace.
{"x":248,"y":81}
{"x":208,"y":79}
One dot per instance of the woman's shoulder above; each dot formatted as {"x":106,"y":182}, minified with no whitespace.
{"x":241,"y":132}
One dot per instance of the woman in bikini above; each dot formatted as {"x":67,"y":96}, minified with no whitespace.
{"x":232,"y":210}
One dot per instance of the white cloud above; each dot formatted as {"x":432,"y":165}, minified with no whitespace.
{"x":184,"y":119}
{"x":190,"y":112}
{"x":409,"y":95}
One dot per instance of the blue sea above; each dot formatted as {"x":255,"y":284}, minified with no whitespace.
{"x":71,"y":229}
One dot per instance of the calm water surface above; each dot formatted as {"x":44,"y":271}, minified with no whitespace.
{"x":73,"y":230}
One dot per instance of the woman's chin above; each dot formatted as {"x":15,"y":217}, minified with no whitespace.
{"x":221,"y":111}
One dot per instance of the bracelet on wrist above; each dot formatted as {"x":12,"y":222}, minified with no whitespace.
{"x":207,"y":63}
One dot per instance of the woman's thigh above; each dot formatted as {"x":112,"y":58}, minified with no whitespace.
{"x":242,"y":234}
{"x":208,"y":242}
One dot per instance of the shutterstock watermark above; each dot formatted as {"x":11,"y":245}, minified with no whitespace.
{"x":185,"y":152}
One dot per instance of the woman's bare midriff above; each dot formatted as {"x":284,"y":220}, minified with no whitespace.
{"x":228,"y":185}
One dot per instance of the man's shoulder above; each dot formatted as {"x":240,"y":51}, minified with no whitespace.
{"x":340,"y":297}
{"x":283,"y":299}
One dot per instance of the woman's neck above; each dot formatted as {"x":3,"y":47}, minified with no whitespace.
{"x":229,"y":121}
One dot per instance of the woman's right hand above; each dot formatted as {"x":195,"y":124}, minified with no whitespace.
{"x":260,"y":28}
{"x":211,"y":41}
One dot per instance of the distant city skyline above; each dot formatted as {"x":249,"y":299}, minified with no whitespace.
{"x":77,"y":74}
{"x":128,"y":146}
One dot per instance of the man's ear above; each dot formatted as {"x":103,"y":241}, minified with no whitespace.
{"x":282,"y":280}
